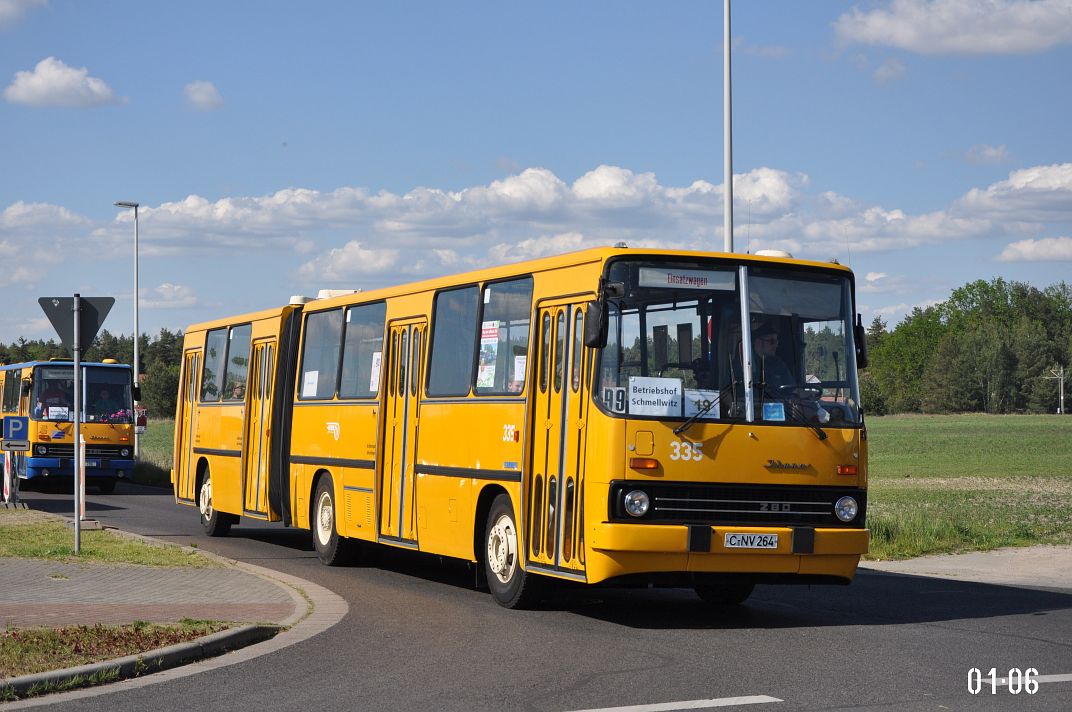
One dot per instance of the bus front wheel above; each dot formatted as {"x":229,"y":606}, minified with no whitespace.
{"x":511,"y":586}
{"x":213,"y":521}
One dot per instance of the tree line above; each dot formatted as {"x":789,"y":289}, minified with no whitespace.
{"x":160,"y":358}
{"x":989,"y":348}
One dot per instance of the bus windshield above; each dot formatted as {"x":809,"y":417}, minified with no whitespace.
{"x":674,"y":348}
{"x":106,"y":394}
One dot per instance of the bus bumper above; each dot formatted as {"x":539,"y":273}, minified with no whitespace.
{"x":64,"y":467}
{"x":624,"y":549}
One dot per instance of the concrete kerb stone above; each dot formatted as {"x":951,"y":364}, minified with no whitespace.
{"x":315,"y":610}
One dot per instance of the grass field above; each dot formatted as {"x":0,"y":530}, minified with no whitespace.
{"x":968,"y":482}
{"x":939,"y":483}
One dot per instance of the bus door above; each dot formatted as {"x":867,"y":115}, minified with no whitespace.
{"x":560,"y":408}
{"x":398,"y":518}
{"x":258,"y":434}
{"x":185,"y":476}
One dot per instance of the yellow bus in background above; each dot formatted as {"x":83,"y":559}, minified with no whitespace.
{"x":625,"y":415}
{"x":43,"y":391}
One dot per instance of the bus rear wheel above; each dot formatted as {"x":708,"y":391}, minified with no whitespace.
{"x":331,"y":548}
{"x":213,"y":521}
{"x":730,"y":593}
{"x":511,"y":586}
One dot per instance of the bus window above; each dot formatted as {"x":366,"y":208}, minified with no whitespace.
{"x":362,"y":350}
{"x":453,"y":342}
{"x":234,"y":379}
{"x":12,"y":391}
{"x":504,"y":337}
{"x":320,"y":355}
{"x":108,"y":395}
{"x":215,"y":344}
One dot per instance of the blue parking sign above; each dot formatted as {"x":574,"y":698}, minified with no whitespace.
{"x":16,"y":427}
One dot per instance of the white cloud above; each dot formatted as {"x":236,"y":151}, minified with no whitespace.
{"x":961,"y":26}
{"x":202,"y":96}
{"x":12,"y":11}
{"x":1039,"y":194}
{"x":169,"y":296}
{"x":350,"y":261}
{"x":889,"y":71}
{"x":25,"y":218}
{"x":986,"y":155}
{"x":53,"y":83}
{"x":1047,"y":249}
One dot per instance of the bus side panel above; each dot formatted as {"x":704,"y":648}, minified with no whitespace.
{"x":357,"y":442}
{"x":469,"y":445}
{"x":316,"y":434}
{"x":219,"y":437}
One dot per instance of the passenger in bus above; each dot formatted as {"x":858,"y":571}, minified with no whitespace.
{"x":105,"y":404}
{"x":54,"y":394}
{"x":238,"y":391}
{"x":768,"y":369}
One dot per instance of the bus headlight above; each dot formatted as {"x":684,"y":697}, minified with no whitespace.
{"x":846,"y":509}
{"x":41,"y":449}
{"x":124,"y":452}
{"x":637,"y":503}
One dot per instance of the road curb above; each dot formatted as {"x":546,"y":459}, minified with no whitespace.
{"x":143,"y":663}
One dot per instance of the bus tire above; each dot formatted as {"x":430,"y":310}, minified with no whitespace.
{"x":213,"y":521}
{"x":511,"y":586}
{"x":732,"y":593}
{"x":331,"y":548}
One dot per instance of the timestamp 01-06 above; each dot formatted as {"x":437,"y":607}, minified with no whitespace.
{"x":1016,"y":681}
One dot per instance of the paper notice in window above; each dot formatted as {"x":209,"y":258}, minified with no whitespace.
{"x":655,"y":396}
{"x":374,"y":379}
{"x":309,"y":384}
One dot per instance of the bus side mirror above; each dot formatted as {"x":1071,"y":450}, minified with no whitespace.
{"x":860,"y":337}
{"x":136,"y":391}
{"x":595,"y":325}
{"x":26,"y":388}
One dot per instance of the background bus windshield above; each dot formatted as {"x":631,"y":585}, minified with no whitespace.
{"x":106,"y":394}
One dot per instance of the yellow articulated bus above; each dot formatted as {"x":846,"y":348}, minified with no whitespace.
{"x":43,"y":391}
{"x":626,"y":415}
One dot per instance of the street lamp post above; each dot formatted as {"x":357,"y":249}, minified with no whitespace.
{"x":127,"y":204}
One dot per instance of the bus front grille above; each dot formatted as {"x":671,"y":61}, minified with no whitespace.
{"x":733,"y":504}
{"x":62,"y":450}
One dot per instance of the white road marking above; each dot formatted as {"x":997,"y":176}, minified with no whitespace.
{"x":689,"y":704}
{"x":1004,"y":682}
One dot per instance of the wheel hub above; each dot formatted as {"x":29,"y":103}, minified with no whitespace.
{"x":205,"y":501}
{"x":502,"y":549}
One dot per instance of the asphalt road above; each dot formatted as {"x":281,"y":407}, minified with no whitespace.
{"x":418,"y":636}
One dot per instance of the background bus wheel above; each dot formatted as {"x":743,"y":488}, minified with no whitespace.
{"x":730,"y":593}
{"x":330,"y":547}
{"x":213,"y":521}
{"x":510,"y":585}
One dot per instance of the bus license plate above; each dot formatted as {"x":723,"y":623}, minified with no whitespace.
{"x":92,"y":463}
{"x":751,"y":541}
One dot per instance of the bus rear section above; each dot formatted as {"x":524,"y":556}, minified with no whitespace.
{"x":45,"y":393}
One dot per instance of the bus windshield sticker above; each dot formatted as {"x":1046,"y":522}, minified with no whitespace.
{"x":58,"y":412}
{"x":655,"y":396}
{"x":614,"y":399}
{"x":309,"y":385}
{"x":686,"y":279}
{"x":520,"y":362}
{"x":773,"y":411}
{"x":374,"y":379}
{"x":489,"y":348}
{"x":697,"y":400}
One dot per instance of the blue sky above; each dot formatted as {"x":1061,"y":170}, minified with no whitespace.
{"x":279,"y":148}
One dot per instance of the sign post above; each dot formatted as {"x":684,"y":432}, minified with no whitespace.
{"x":87,"y":315}
{"x":16,"y":439}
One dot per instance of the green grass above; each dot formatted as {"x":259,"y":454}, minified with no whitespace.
{"x":155,"y":454}
{"x":958,"y":483}
{"x":25,"y":651}
{"x":33,"y":535}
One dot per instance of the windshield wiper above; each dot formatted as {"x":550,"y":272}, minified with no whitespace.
{"x":804,"y":421}
{"x":696,"y":416}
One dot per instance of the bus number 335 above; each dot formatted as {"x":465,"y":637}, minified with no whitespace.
{"x":686,"y":451}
